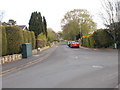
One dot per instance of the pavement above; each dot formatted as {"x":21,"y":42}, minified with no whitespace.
{"x":25,"y":61}
{"x":64,"y":67}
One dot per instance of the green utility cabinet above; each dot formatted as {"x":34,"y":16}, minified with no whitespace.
{"x":26,"y":50}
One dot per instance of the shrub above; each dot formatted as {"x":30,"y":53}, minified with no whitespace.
{"x":4,"y":41}
{"x":102,"y":38}
{"x":99,"y":39}
{"x":33,"y":40}
{"x":92,"y":42}
{"x":14,"y":39}
{"x":25,"y":36}
{"x":83,"y":41}
{"x":42,"y":40}
{"x":40,"y":43}
{"x":29,"y":37}
{"x":48,"y":43}
{"x":87,"y":42}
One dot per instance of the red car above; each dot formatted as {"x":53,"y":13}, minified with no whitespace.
{"x":70,"y":42}
{"x":75,"y":44}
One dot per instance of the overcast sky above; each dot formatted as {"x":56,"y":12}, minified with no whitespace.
{"x":53,"y":10}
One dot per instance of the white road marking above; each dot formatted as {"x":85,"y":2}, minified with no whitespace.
{"x":76,"y":57}
{"x":97,"y":66}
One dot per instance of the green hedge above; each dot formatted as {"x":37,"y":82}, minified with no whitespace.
{"x":29,"y":37}
{"x":83,"y":42}
{"x":4,"y":41}
{"x":92,"y":42}
{"x":33,"y":40}
{"x":14,"y":39}
{"x":88,"y":42}
{"x":99,"y":39}
{"x":102,"y":39}
{"x":42,"y":40}
{"x":40,"y":43}
{"x":25,"y":36}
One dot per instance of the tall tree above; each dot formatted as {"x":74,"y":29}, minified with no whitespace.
{"x":82,"y":19}
{"x":111,"y":17}
{"x":35,"y":23}
{"x":44,"y":26}
{"x":51,"y":35}
{"x":70,"y":30}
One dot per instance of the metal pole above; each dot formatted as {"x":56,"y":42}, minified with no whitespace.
{"x":80,"y":33}
{"x":80,"y":28}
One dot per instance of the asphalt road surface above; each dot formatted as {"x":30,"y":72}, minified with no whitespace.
{"x":66,"y":67}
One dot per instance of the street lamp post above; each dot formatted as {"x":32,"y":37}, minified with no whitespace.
{"x":80,"y":29}
{"x":80,"y":33}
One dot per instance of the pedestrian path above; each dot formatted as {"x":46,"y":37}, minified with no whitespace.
{"x":14,"y":64}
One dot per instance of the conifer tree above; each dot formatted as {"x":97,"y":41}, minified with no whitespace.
{"x":35,"y":23}
{"x":44,"y":26}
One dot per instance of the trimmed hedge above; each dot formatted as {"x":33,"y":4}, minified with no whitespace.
{"x":14,"y":39}
{"x":29,"y":37}
{"x":25,"y":36}
{"x":42,"y":40}
{"x":33,"y":40}
{"x":99,"y":39}
{"x":40,"y":43}
{"x":103,"y":39}
{"x":92,"y":42}
{"x":4,"y":41}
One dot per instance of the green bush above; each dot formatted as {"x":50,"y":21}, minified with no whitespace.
{"x":42,"y":40}
{"x":92,"y":42}
{"x":4,"y":41}
{"x":99,"y":39}
{"x":25,"y":36}
{"x":29,"y":37}
{"x":40,"y":43}
{"x":84,"y":42}
{"x":48,"y":43}
{"x":87,"y":42}
{"x":33,"y":40}
{"x":102,"y":39}
{"x":14,"y":39}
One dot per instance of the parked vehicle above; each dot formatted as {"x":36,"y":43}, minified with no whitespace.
{"x":70,"y":42}
{"x":75,"y":44}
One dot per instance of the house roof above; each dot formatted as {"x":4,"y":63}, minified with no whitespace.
{"x":23,"y":27}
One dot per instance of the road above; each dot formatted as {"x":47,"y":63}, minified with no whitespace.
{"x":66,"y":67}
